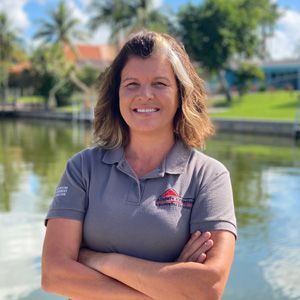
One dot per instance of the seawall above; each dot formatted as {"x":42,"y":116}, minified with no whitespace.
{"x":247,"y":126}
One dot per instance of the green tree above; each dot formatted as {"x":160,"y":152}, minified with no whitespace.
{"x":218,"y":31}
{"x":245,"y":75}
{"x":61,"y":28}
{"x":59,"y":33}
{"x":51,"y":70}
{"x":127,"y":16}
{"x":88,"y":75}
{"x":9,"y":52}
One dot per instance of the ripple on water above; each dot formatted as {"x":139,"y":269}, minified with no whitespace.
{"x":281,"y":271}
{"x":21,"y":237}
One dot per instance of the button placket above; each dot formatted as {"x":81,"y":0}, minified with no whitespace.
{"x":134,"y":193}
{"x":134,"y":190}
{"x":142,"y":188}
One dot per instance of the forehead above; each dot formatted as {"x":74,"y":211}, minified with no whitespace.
{"x":156,"y":65}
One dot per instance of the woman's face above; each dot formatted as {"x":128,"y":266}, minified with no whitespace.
{"x":148,"y":94}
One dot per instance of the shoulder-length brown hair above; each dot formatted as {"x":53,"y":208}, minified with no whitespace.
{"x":191,"y":123}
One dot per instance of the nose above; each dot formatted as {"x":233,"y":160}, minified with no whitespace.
{"x":146,"y":92}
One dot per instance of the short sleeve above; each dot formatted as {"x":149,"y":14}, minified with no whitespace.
{"x":70,"y":198}
{"x":213,"y":208}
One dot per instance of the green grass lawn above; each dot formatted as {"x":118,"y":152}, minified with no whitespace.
{"x":31,"y":100}
{"x":25,"y":100}
{"x":279,"y":105}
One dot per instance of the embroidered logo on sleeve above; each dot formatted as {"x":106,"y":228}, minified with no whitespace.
{"x":61,"y":191}
{"x":171,"y":198}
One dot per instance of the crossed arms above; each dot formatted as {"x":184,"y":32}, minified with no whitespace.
{"x":83,"y":274}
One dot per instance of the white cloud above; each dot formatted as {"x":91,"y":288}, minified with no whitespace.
{"x":86,"y":3}
{"x":78,"y":12}
{"x":15,"y":13}
{"x":101,"y":35}
{"x":286,"y":36}
{"x":157,"y":3}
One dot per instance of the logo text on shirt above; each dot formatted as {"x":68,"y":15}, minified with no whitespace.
{"x":171,"y":198}
{"x":61,"y":191}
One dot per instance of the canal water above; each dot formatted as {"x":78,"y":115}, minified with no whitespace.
{"x":266,"y":182}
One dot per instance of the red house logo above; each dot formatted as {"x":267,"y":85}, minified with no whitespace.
{"x":171,"y":198}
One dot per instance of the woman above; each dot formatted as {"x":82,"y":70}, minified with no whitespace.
{"x":143,"y":215}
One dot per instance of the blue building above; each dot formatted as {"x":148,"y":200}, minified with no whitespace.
{"x":281,"y":74}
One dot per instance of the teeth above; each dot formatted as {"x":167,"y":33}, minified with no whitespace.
{"x":146,"y":110}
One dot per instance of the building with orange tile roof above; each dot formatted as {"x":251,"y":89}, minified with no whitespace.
{"x":98,"y":56}
{"x":20,"y":67}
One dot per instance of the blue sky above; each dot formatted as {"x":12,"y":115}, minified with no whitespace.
{"x":24,"y":15}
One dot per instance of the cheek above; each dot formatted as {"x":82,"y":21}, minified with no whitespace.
{"x":124,"y":104}
{"x":121,"y":103}
{"x":125,"y":96}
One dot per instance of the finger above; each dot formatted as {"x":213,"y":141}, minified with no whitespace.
{"x":203,"y":249}
{"x":196,"y":244}
{"x":201,"y":259}
{"x":193,"y":237}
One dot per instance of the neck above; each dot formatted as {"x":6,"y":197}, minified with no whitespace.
{"x":142,"y":145}
{"x":145,"y":152}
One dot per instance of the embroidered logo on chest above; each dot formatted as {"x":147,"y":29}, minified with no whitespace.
{"x":171,"y":198}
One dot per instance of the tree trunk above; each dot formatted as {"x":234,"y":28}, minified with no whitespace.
{"x":51,"y":104}
{"x":81,"y":85}
{"x":224,"y":85}
{"x":84,"y":88}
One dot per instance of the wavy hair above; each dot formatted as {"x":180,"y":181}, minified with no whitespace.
{"x":191,"y":122}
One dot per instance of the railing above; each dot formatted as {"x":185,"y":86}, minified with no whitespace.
{"x":15,"y":106}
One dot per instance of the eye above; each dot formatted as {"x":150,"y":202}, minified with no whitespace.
{"x":131,"y":85}
{"x":159,"y":84}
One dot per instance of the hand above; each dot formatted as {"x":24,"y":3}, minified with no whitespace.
{"x":196,"y":248}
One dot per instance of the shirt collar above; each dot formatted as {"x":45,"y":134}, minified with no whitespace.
{"x":113,"y":156}
{"x":177,"y":159}
{"x":174,"y":163}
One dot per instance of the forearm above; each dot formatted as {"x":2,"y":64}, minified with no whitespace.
{"x":72,"y":279}
{"x":186,"y":280}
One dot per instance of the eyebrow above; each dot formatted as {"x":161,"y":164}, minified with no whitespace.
{"x":162,"y":78}
{"x":129,"y":78}
{"x":155,"y":78}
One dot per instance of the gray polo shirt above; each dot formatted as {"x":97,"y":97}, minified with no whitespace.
{"x":150,"y":217}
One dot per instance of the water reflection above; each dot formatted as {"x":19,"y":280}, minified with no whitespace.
{"x":281,"y":267}
{"x":36,"y":152}
{"x":265,"y":175}
{"x":20,"y":239}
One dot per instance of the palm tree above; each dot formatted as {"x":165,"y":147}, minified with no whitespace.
{"x":127,"y":16}
{"x":60,"y":31}
{"x":60,"y":28}
{"x":8,"y":46}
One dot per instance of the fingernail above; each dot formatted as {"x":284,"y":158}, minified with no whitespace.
{"x":197,"y":233}
{"x":208,"y":243}
{"x":207,"y":234}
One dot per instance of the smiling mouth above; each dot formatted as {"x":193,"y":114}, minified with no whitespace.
{"x":146,"y":110}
